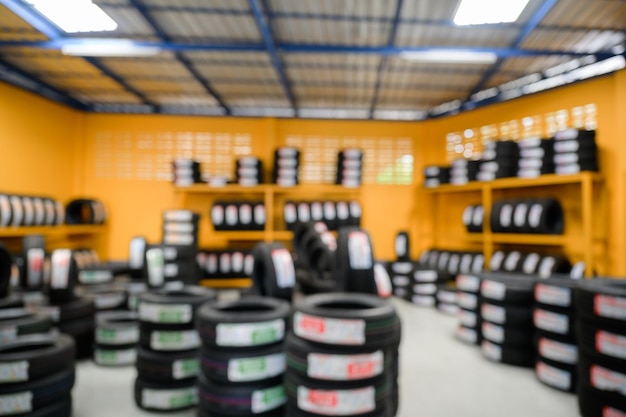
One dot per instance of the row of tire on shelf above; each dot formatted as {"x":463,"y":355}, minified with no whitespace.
{"x":332,"y":213}
{"x":537,"y":216}
{"x":570,"y":151}
{"x":249,"y":170}
{"x":28,"y":211}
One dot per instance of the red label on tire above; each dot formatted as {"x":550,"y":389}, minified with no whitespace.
{"x":611,"y":412}
{"x":312,"y":324}
{"x":323,"y":398}
{"x":610,"y":307}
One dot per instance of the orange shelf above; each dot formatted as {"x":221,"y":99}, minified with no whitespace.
{"x":65,"y":230}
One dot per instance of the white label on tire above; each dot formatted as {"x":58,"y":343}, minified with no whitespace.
{"x":178,"y":216}
{"x":506,"y":215}
{"x":553,"y":376}
{"x":610,"y":307}
{"x":551,"y":295}
{"x":468,"y":283}
{"x":259,"y":214}
{"x":557,"y":351}
{"x":567,"y":146}
{"x":343,"y":212}
{"x":494,"y":314}
{"x":530,"y":263}
{"x":400,"y":246}
{"x":493,"y":333}
{"x":60,"y":274}
{"x":117,"y":336}
{"x":211,"y":263}
{"x":248,"y":265}
{"x":231,"y":215}
{"x":137,"y":248}
{"x":467,"y":318}
{"x":169,"y":399}
{"x":330,"y":331}
{"x":423,"y":300}
{"x":491,"y":351}
{"x":611,"y":344}
{"x":478,"y":264}
{"x":174,"y":340}
{"x":291,"y":215}
{"x":477,"y":218}
{"x":250,"y":334}
{"x":155,"y":261}
{"x":496,"y":261}
{"x":493,"y":290}
{"x":337,"y":403}
{"x":115,"y":357}
{"x":330,"y":212}
{"x":16,"y":371}
{"x":109,"y":301}
{"x":612,"y":412}
{"x":165,"y":313}
{"x":466,"y":335}
{"x":245,"y":214}
{"x":453,"y":264}
{"x":355,"y":209}
{"x":217,"y":215}
{"x":255,"y":369}
{"x":225,"y":263}
{"x":185,"y":368}
{"x":268,"y":399}
{"x":425,"y":276}
{"x":16,"y":403}
{"x":401,"y":281}
{"x":534,"y":215}
{"x":402,"y":267}
{"x":35,"y":258}
{"x":5,"y":211}
{"x":383,"y":283}
{"x":317,"y":211}
{"x":607,"y":380}
{"x":442,"y":262}
{"x":466,"y":264}
{"x":546,"y":266}
{"x":510,"y":264}
{"x":237,"y":262}
{"x":425,"y":289}
{"x":359,"y":251}
{"x":467,"y":215}
{"x":467,"y":301}
{"x":29,"y":211}
{"x":450,"y":309}
{"x":345,"y":367}
{"x":304,"y":212}
{"x":283,"y":266}
{"x":551,"y":322}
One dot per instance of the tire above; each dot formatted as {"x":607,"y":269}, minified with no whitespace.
{"x":115,"y":356}
{"x":354,"y":262}
{"x":20,"y":322}
{"x":34,"y":357}
{"x":468,"y":335}
{"x":468,"y":283}
{"x":603,"y":374}
{"x":603,"y":340}
{"x":34,"y":395}
{"x":79,"y":308}
{"x":595,"y":403}
{"x":555,"y":322}
{"x":545,"y":216}
{"x":468,"y":301}
{"x":167,"y":367}
{"x":402,"y":246}
{"x":258,"y":321}
{"x":117,"y":328}
{"x":509,"y":289}
{"x":64,"y":277}
{"x":555,"y":292}
{"x":168,"y":337}
{"x":515,"y":337}
{"x":274,"y":274}
{"x":506,"y":315}
{"x":173,"y":396}
{"x":602,"y":300}
{"x":509,"y":355}
{"x":6,"y":261}
{"x":556,"y":375}
{"x":173,"y":306}
{"x":323,"y":318}
{"x":12,"y":301}
{"x":236,"y":367}
{"x":60,"y":408}
{"x":556,"y":349}
{"x":551,"y":265}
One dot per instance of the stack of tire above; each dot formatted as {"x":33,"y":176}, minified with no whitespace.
{"x":16,"y":211}
{"x":529,"y":263}
{"x":446,"y":301}
{"x":106,"y":297}
{"x":463,"y":171}
{"x":401,"y":278}
{"x":37,"y":376}
{"x":85,"y":211}
{"x":137,"y":257}
{"x":167,"y":362}
{"x":463,"y":262}
{"x":425,"y":285}
{"x":238,"y":215}
{"x":179,"y":264}
{"x":354,"y":262}
{"x":273,"y":273}
{"x":541,"y":215}
{"x":473,"y":218}
{"x":500,"y":159}
{"x":601,"y":307}
{"x":242,"y":357}
{"x":286,"y":167}
{"x":468,"y":300}
{"x":117,"y":336}
{"x":249,"y":171}
{"x":32,"y":264}
{"x":575,"y":151}
{"x":180,"y":227}
{"x":186,"y":172}
{"x":349,"y":168}
{"x":315,"y":249}
{"x":507,"y":319}
{"x":555,"y":333}
{"x":225,"y":264}
{"x":332,"y":214}
{"x":536,"y":157}
{"x":342,"y":357}
{"x":434,"y":176}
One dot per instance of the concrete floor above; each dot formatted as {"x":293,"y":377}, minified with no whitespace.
{"x":440,"y":377}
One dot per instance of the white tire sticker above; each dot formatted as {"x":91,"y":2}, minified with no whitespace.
{"x":250,"y":334}
{"x":330,"y":331}
{"x":337,"y":403}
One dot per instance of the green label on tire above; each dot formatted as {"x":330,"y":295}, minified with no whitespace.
{"x":264,"y":336}
{"x":252,"y":366}
{"x":185,"y":368}
{"x":268,"y":399}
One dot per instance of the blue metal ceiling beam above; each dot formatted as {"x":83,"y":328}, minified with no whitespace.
{"x":532,"y":24}
{"x":271,"y":50}
{"x":145,"y":13}
{"x":384,"y":61}
{"x":30,"y":16}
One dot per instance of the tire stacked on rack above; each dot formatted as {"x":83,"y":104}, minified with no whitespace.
{"x":401,"y":279}
{"x":425,"y":284}
{"x":37,"y":376}
{"x":434,"y":176}
{"x":106,"y":298}
{"x":117,"y":335}
{"x":186,"y":172}
{"x":32,"y":263}
{"x":555,"y":319}
{"x":137,"y":256}
{"x":463,"y":171}
{"x":16,"y":321}
{"x":242,"y":357}
{"x":575,"y":151}
{"x":249,"y":171}
{"x":238,"y":215}
{"x":500,"y":160}
{"x":507,"y":319}
{"x":342,"y":357}
{"x":273,"y":273}
{"x":167,"y":364}
{"x":601,"y":308}
{"x":18,"y":210}
{"x":446,"y":299}
{"x":179,"y":263}
{"x":536,"y":157}
{"x":180,"y":227}
{"x":225,"y":264}
{"x":286,"y":167}
{"x":333,"y":214}
{"x":354,"y":262}
{"x":349,"y":168}
{"x":473,"y":218}
{"x":85,"y":211}
{"x":468,"y":301}
{"x":540,"y":215}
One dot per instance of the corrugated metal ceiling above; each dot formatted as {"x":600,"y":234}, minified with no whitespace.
{"x":253,"y":57}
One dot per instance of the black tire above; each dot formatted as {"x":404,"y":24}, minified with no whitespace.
{"x":61,"y":287}
{"x":603,"y":374}
{"x":179,"y":396}
{"x":468,"y":335}
{"x":233,"y":367}
{"x":274,"y":274}
{"x":556,"y":375}
{"x":12,"y":301}
{"x":60,"y":408}
{"x":6,"y":261}
{"x":510,"y":355}
{"x":402,"y":246}
{"x":354,"y":262}
{"x":107,"y":297}
{"x":468,"y":283}
{"x":117,"y":328}
{"x":603,"y":340}
{"x":468,"y":301}
{"x":555,"y":321}
{"x":264,"y":321}
{"x":505,"y":315}
{"x":602,"y":300}
{"x":258,"y":398}
{"x":35,"y":357}
{"x":115,"y":356}
{"x":166,"y":367}
{"x":556,"y":349}
{"x":545,"y":216}
{"x":82,"y":211}
{"x":555,"y":292}
{"x":595,"y":403}
{"x":82,"y":330}
{"x":509,"y":289}
{"x":79,"y":308}
{"x":173,"y":306}
{"x":369,"y":317}
{"x":42,"y":392}
{"x":20,"y":322}
{"x":517,"y":337}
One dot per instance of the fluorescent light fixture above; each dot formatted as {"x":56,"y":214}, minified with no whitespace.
{"x":451,"y":56}
{"x":109,"y":47}
{"x":74,"y":16}
{"x":481,"y":12}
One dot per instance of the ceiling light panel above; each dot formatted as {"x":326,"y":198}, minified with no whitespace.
{"x":74,"y":16}
{"x":481,"y":12}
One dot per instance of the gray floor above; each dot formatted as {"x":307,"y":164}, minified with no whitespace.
{"x":440,"y":378}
